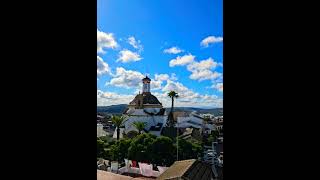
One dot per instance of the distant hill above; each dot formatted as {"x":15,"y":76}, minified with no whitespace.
{"x":113,"y":109}
{"x":118,"y":109}
{"x":215,"y":111}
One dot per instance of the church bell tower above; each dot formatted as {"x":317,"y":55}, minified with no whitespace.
{"x":146,"y":85}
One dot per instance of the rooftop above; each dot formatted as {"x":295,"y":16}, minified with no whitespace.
{"x":104,"y":175}
{"x":146,"y":78}
{"x":147,"y":98}
{"x":188,"y":169}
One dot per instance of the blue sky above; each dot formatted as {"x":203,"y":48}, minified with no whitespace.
{"x":179,"y":44}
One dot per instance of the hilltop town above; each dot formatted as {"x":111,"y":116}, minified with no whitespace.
{"x":146,"y":140}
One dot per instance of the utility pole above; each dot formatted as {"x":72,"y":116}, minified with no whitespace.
{"x":177,"y":141}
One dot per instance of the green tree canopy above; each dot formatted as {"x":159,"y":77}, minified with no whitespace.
{"x":117,"y":121}
{"x":140,"y":147}
{"x":189,"y":150}
{"x":162,"y":151}
{"x":100,"y":148}
{"x":139,"y":125}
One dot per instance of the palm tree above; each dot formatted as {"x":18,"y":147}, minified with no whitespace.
{"x":139,"y":125}
{"x":172,"y":95}
{"x":117,"y":121}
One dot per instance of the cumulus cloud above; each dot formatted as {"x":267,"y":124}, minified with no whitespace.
{"x":135,"y":43}
{"x":187,"y":97}
{"x":175,"y":86}
{"x":158,"y":80}
{"x":210,"y":40}
{"x":203,"y":75}
{"x":218,"y":86}
{"x":126,"y":56}
{"x":173,"y":77}
{"x":105,"y":40}
{"x":173,"y":50}
{"x":202,"y":65}
{"x":126,"y":78}
{"x":102,"y":67}
{"x":199,"y":70}
{"x":181,"y":61}
{"x":111,"y":98}
{"x":202,"y":70}
{"x":161,"y":77}
{"x":155,"y":85}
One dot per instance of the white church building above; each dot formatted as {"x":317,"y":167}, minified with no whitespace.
{"x":145,"y":107}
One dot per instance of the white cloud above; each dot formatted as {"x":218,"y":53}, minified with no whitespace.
{"x":126,"y":56}
{"x":161,"y":77}
{"x":173,"y":77}
{"x":187,"y":97}
{"x":180,"y":61}
{"x":173,"y":50}
{"x":156,"y":83}
{"x":199,"y":70}
{"x":102,"y":67}
{"x":175,"y":86}
{"x":111,"y":98}
{"x":126,"y":78}
{"x":105,"y":40}
{"x":202,"y":65}
{"x":216,"y":75}
{"x":202,"y":75}
{"x":202,"y":70}
{"x":134,"y":43}
{"x":218,"y":86}
{"x":210,"y":40}
{"x":133,"y":79}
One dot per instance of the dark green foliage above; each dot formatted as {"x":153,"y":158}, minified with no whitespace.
{"x":148,"y":148}
{"x":100,"y":148}
{"x":139,"y":125}
{"x":163,"y":151}
{"x":188,"y":150}
{"x":212,"y":137}
{"x":140,"y":147}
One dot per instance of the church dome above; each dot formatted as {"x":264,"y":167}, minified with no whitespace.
{"x":145,"y":98}
{"x":148,"y":98}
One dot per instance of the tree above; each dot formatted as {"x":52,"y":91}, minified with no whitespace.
{"x":189,"y":150}
{"x":132,"y":134}
{"x":100,"y":148}
{"x":120,"y":149}
{"x":172,"y":95}
{"x":212,"y":137}
{"x":161,"y":150}
{"x":139,"y":125}
{"x":141,"y":147}
{"x":107,"y":139}
{"x":117,"y":121}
